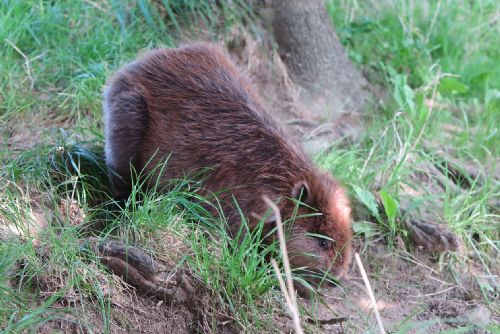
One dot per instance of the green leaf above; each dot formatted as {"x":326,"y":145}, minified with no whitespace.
{"x":449,"y":85}
{"x":409,"y":96}
{"x":420,"y":101}
{"x":403,"y":94}
{"x":367,"y":198}
{"x":365,"y":228}
{"x":390,"y":205}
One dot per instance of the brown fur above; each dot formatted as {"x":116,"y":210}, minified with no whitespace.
{"x":193,"y":105}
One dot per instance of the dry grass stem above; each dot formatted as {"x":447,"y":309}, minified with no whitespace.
{"x":370,"y":293}
{"x":288,"y":290}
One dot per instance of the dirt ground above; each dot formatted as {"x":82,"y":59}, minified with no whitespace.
{"x":408,"y":287}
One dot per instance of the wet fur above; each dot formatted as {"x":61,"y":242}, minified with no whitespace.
{"x":193,"y":105}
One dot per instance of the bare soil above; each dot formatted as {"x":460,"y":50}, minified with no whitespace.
{"x":408,"y":287}
{"x":131,"y":313}
{"x":258,"y":58}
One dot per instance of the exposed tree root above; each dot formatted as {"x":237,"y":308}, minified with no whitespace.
{"x":433,"y":237}
{"x":142,"y":271}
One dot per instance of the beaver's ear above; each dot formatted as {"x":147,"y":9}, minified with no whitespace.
{"x":300,"y":191}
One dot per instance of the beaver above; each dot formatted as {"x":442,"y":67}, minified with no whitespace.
{"x":192,"y":105}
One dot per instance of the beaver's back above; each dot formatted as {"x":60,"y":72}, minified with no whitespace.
{"x":201,"y":112}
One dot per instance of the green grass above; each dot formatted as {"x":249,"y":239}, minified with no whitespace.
{"x":237,"y":276}
{"x":413,"y":75}
{"x":56,"y":56}
{"x":420,"y":52}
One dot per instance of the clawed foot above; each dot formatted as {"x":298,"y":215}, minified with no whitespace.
{"x":433,"y":237}
{"x":142,"y":271}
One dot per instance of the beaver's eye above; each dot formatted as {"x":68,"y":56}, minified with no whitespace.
{"x":324,"y":243}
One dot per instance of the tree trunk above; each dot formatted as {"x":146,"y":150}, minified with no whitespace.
{"x":331,"y":84}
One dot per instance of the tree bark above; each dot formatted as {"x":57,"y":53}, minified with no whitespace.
{"x":315,"y":59}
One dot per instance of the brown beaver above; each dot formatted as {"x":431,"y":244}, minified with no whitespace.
{"x":192,"y":105}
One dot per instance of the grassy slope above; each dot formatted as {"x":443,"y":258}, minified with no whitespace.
{"x":439,"y":64}
{"x":54,"y":60}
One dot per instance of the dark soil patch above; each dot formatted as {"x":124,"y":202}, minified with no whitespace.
{"x":409,"y":289}
{"x":130,"y":313}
